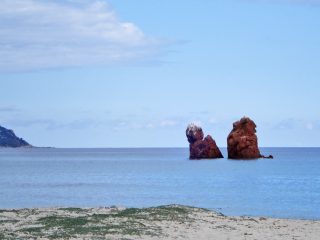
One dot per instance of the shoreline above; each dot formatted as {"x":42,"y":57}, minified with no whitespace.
{"x":164,"y":222}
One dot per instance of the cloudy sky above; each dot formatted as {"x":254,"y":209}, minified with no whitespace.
{"x":124,"y":73}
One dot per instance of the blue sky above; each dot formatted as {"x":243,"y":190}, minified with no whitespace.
{"x":123,"y":73}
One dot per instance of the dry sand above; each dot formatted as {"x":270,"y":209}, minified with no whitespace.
{"x":167,"y":222}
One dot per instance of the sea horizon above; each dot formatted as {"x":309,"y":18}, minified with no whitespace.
{"x":223,"y":147}
{"x":145,"y":177}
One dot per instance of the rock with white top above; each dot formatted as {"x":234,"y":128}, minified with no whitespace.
{"x":201,"y":148}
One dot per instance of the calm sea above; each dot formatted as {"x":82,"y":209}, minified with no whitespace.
{"x":287,"y":186}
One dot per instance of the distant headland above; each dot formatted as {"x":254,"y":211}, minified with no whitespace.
{"x":9,"y":139}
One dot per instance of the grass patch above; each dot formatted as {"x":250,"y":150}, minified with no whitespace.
{"x":163,"y":213}
{"x":63,"y":222}
{"x":32,"y":230}
{"x":127,"y":222}
{"x":8,"y":221}
{"x":9,"y":236}
{"x":9,"y":211}
{"x":75,"y":210}
{"x":68,"y":226}
{"x":121,"y":228}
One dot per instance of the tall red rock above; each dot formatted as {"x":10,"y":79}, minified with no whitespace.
{"x":243,"y":141}
{"x":201,"y":148}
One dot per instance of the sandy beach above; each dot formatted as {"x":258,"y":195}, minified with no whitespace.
{"x":166,"y":222}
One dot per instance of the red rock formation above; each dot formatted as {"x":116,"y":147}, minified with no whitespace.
{"x":201,"y":148}
{"x":243,"y":141}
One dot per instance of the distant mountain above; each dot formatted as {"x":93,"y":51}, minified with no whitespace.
{"x":9,"y":139}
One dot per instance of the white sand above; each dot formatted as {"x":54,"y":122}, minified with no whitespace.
{"x":172,"y":222}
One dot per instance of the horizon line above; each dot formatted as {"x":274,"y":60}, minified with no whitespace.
{"x":144,"y":147}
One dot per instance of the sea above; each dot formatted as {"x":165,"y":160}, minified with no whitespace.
{"x":287,"y":186}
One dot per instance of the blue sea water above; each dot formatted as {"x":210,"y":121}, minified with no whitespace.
{"x":287,"y":186}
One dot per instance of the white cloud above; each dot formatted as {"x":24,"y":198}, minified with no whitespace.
{"x":309,"y":126}
{"x":292,"y":123}
{"x":213,"y":121}
{"x":38,"y":34}
{"x":150,"y":125}
{"x":168,"y":123}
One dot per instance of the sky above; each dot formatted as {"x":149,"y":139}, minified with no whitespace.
{"x":124,"y":73}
